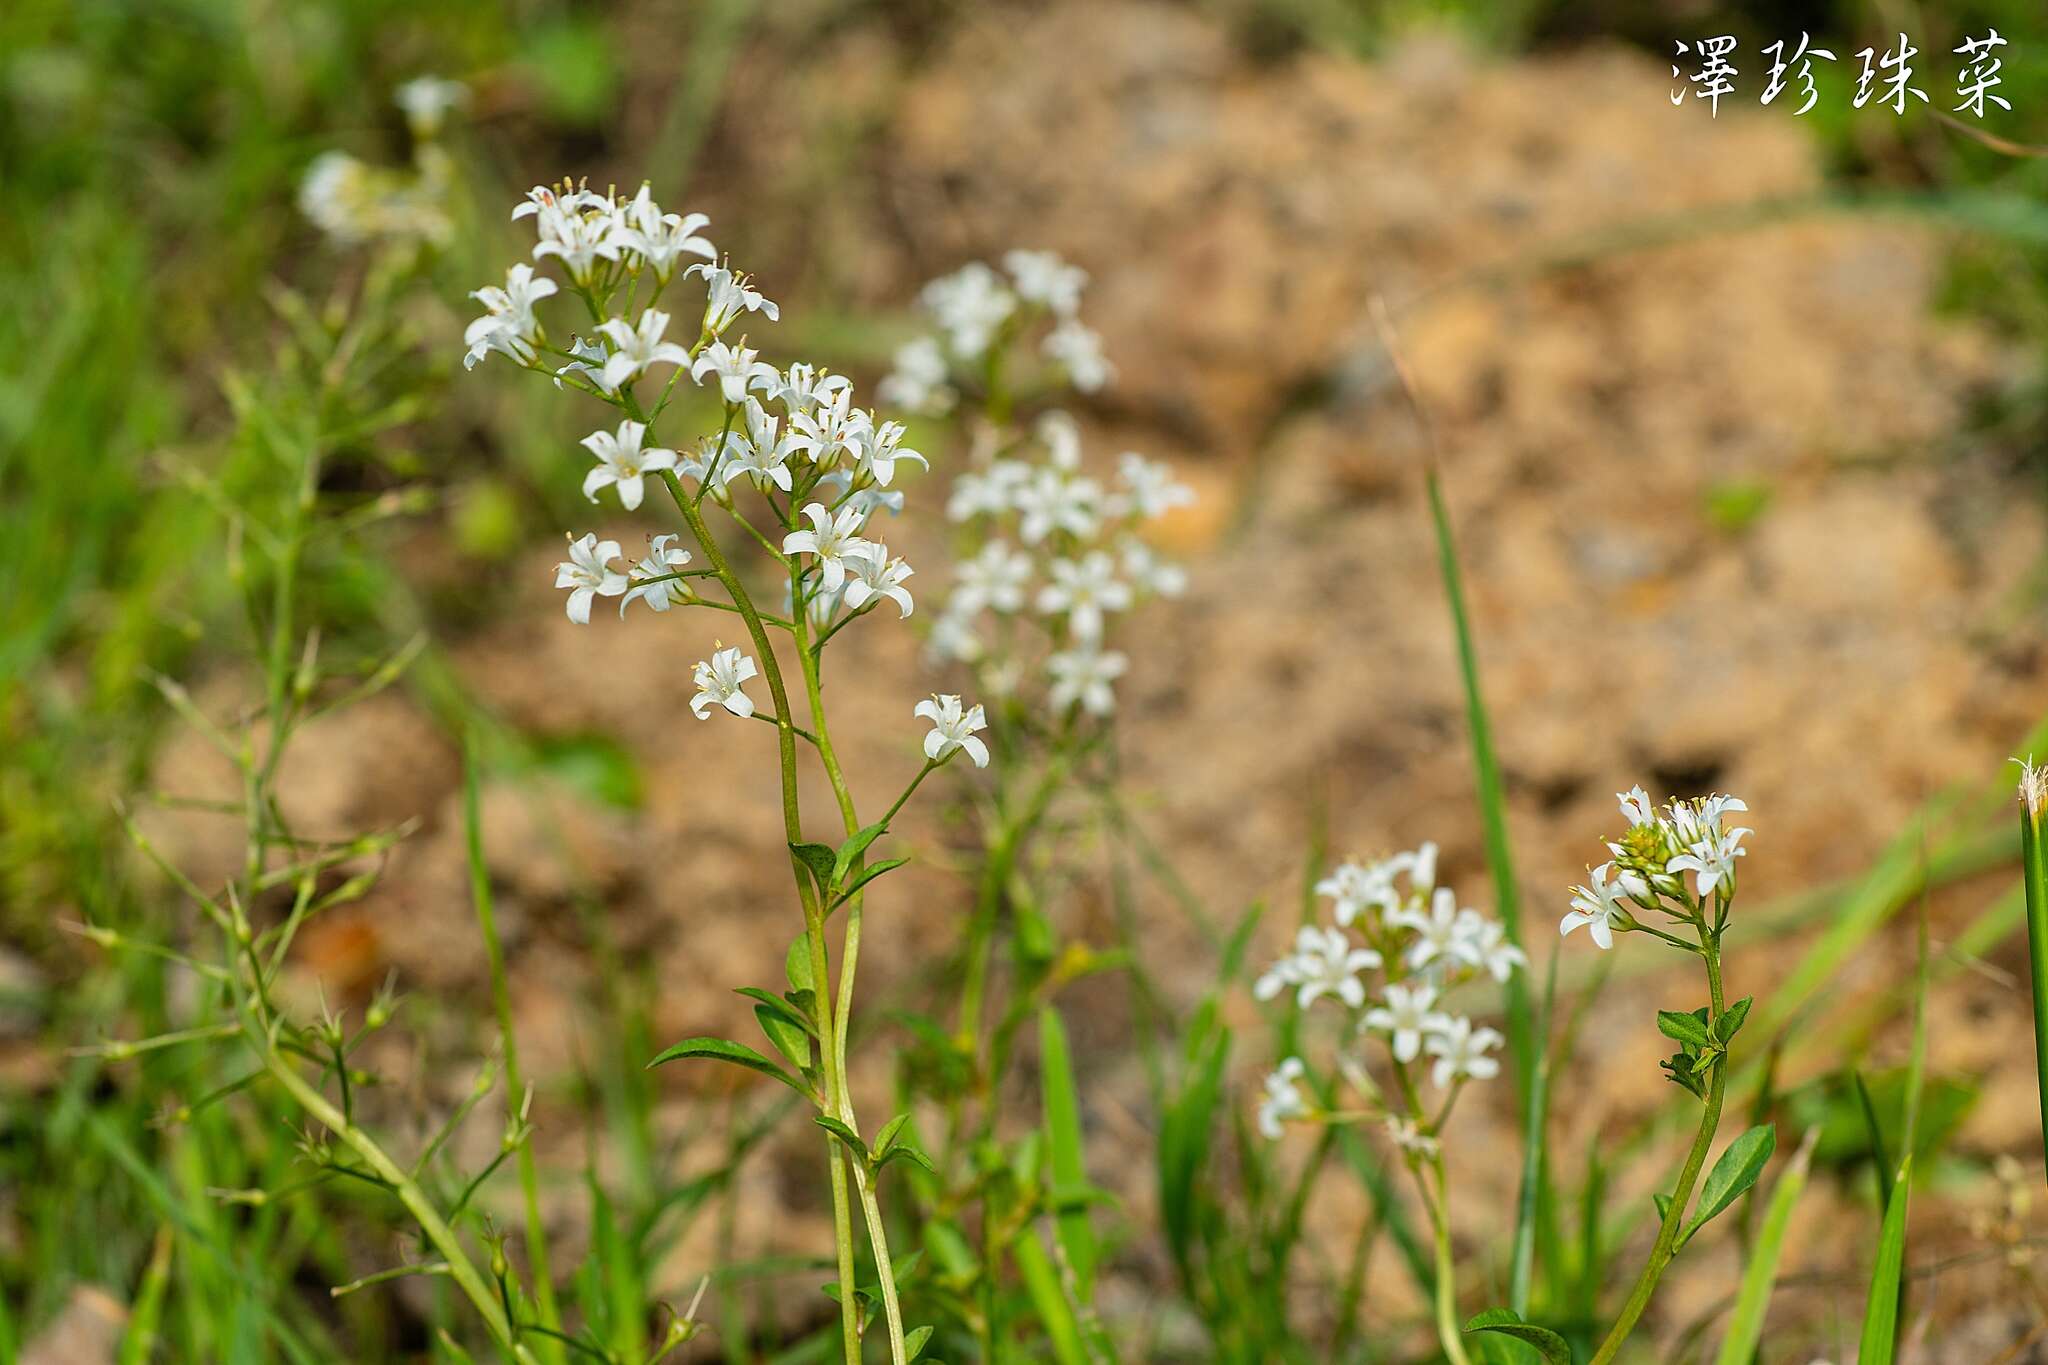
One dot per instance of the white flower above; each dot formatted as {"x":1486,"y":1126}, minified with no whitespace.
{"x":866,"y":500}
{"x":761,"y":451}
{"x":1356,"y":887}
{"x":1598,"y":904}
{"x":1497,"y":955}
{"x":1445,"y":935}
{"x":660,"y":237}
{"x":1148,"y":572}
{"x":1406,"y":1018}
{"x":1282,"y":1100}
{"x":1150,"y":489}
{"x":580,"y":239}
{"x":1460,"y":1050}
{"x":969,"y":305}
{"x":1083,"y":591}
{"x":738,"y":369}
{"x":727,"y":295}
{"x":639,"y":349}
{"x":719,"y":679}
{"x":1042,"y":277}
{"x":426,"y":100}
{"x":876,"y":577}
{"x":621,"y":461}
{"x":830,"y":428}
{"x":1078,"y":350}
{"x":588,"y":364}
{"x":1711,"y":860}
{"x":987,"y":492}
{"x":835,"y":541}
{"x":994,"y":578}
{"x":953,"y":638}
{"x":1050,"y":502}
{"x":805,"y":387}
{"x":879,"y":451}
{"x":651,"y":583}
{"x":508,"y":324}
{"x":952,"y":729}
{"x":1060,"y":434}
{"x":1635,"y":804}
{"x":588,"y":573}
{"x":918,"y":382}
{"x":1323,"y":963}
{"x":1408,"y":1136}
{"x":1084,"y":674}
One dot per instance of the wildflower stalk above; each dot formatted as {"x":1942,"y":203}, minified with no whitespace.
{"x":1695,"y":1160}
{"x":2034,"y":872}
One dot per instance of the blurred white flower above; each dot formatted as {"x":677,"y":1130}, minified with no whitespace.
{"x":1282,"y":1100}
{"x":1083,"y":590}
{"x":1323,"y":963}
{"x":1060,"y":434}
{"x":1043,"y":278}
{"x":836,"y":541}
{"x":1460,"y":1050}
{"x":1148,"y":572}
{"x":918,"y":381}
{"x":1084,"y":674}
{"x":1049,"y":501}
{"x":986,"y":492}
{"x":1078,"y":350}
{"x":969,"y":305}
{"x":650,"y":581}
{"x":1357,"y":887}
{"x":1444,"y":934}
{"x":427,"y":100}
{"x":621,"y":461}
{"x":727,"y":295}
{"x":1497,"y":955}
{"x":996,"y":577}
{"x":1408,"y":1016}
{"x":953,"y":637}
{"x":1409,"y":1137}
{"x":1149,"y":487}
{"x":719,"y":680}
{"x":587,"y":573}
{"x":952,"y":728}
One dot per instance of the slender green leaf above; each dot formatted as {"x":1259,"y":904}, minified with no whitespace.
{"x":866,"y":875}
{"x":844,"y":1133}
{"x":1730,"y":1022}
{"x":1064,"y":1145}
{"x":796,"y":966}
{"x":779,"y":1006}
{"x":850,"y":851}
{"x":1880,"y":1160}
{"x":886,"y":1136}
{"x":2034,"y":874}
{"x":789,"y":1039}
{"x":903,"y":1149}
{"x":1049,"y":1299}
{"x":739,"y":1054}
{"x":1736,"y":1171}
{"x":1508,"y":1323}
{"x":1759,"y":1275}
{"x":914,"y":1342}
{"x":1881,"y":1312}
{"x":1684,"y":1026}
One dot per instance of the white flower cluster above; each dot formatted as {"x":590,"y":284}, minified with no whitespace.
{"x":354,"y":202}
{"x":1061,"y":547}
{"x":1390,"y":916}
{"x":1651,"y":860}
{"x":978,"y":311}
{"x":792,"y":433}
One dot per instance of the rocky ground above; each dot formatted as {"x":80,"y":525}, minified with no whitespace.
{"x":1614,"y":355}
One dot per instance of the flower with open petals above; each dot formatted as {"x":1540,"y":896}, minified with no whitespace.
{"x":621,"y":461}
{"x":830,"y":429}
{"x":761,"y":451}
{"x":727,"y":295}
{"x":1084,"y":590}
{"x":588,"y":364}
{"x":918,"y":381}
{"x":805,"y":387}
{"x":719,"y":680}
{"x":952,"y":729}
{"x":639,"y":349}
{"x":580,"y":239}
{"x":876,"y":577}
{"x":1408,"y":1016}
{"x":1043,"y":278}
{"x":881,"y":448}
{"x":1084,"y":674}
{"x":996,"y":577}
{"x":969,"y":305}
{"x":738,"y":369}
{"x":1323,"y":962}
{"x":836,"y":541}
{"x":1051,"y":501}
{"x":1077,"y":349}
{"x":1461,"y":1051}
{"x":1498,"y":956}
{"x":588,"y":573}
{"x":1282,"y":1100}
{"x":1149,"y":486}
{"x":1597,"y":904}
{"x":1357,"y":887}
{"x":1711,"y":860}
{"x":1445,"y":935}
{"x":653,"y":582}
{"x":508,"y":324}
{"x":659,"y":238}
{"x":1147,"y":572}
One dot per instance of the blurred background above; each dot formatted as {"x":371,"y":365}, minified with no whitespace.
{"x":1741,"y":426}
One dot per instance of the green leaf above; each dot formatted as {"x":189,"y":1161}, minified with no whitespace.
{"x":914,"y":1340}
{"x":818,"y":859}
{"x":739,"y":1054}
{"x":886,"y":1137}
{"x":855,"y":845}
{"x":789,"y":1039}
{"x":1881,"y":1312}
{"x":1506,"y":1322}
{"x":796,"y":966}
{"x":1049,"y":1298}
{"x":781,"y":1006}
{"x":1663,"y":1203}
{"x":866,"y":875}
{"x":1730,"y":1022}
{"x":1746,"y":1322}
{"x":1685,"y":1027}
{"x":903,"y":1149}
{"x":1735,"y":1172}
{"x":1063,"y":1139}
{"x":1880,"y":1162}
{"x":845,"y":1134}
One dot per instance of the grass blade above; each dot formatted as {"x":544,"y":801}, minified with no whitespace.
{"x":1042,"y":1283}
{"x":1881,"y":1313}
{"x":1063,"y":1142}
{"x":1746,"y":1323}
{"x":2034,"y":872}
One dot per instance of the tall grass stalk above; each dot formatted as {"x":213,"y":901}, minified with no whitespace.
{"x":2034,"y":872}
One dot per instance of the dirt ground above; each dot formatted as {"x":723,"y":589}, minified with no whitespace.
{"x":1857,"y":647}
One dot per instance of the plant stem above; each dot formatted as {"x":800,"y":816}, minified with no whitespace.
{"x":1446,"y":1271}
{"x":1667,"y":1232}
{"x":2034,"y":872}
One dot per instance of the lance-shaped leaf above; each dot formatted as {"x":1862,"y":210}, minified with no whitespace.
{"x":724,"y":1050}
{"x":1735,"y":1172}
{"x":1508,"y":1323}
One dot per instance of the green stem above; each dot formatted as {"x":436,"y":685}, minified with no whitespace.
{"x":2034,"y":872}
{"x":1667,"y":1232}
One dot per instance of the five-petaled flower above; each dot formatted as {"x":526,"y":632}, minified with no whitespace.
{"x":719,"y":680}
{"x":738,"y":368}
{"x":1408,"y":1016}
{"x":1598,"y":906}
{"x":1084,"y":674}
{"x":876,"y":577}
{"x":1323,"y":962}
{"x":836,"y":541}
{"x":653,"y":577}
{"x":588,"y":573}
{"x":639,"y":349}
{"x":952,"y":729}
{"x":621,"y":461}
{"x":1084,"y":590}
{"x":1461,"y":1050}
